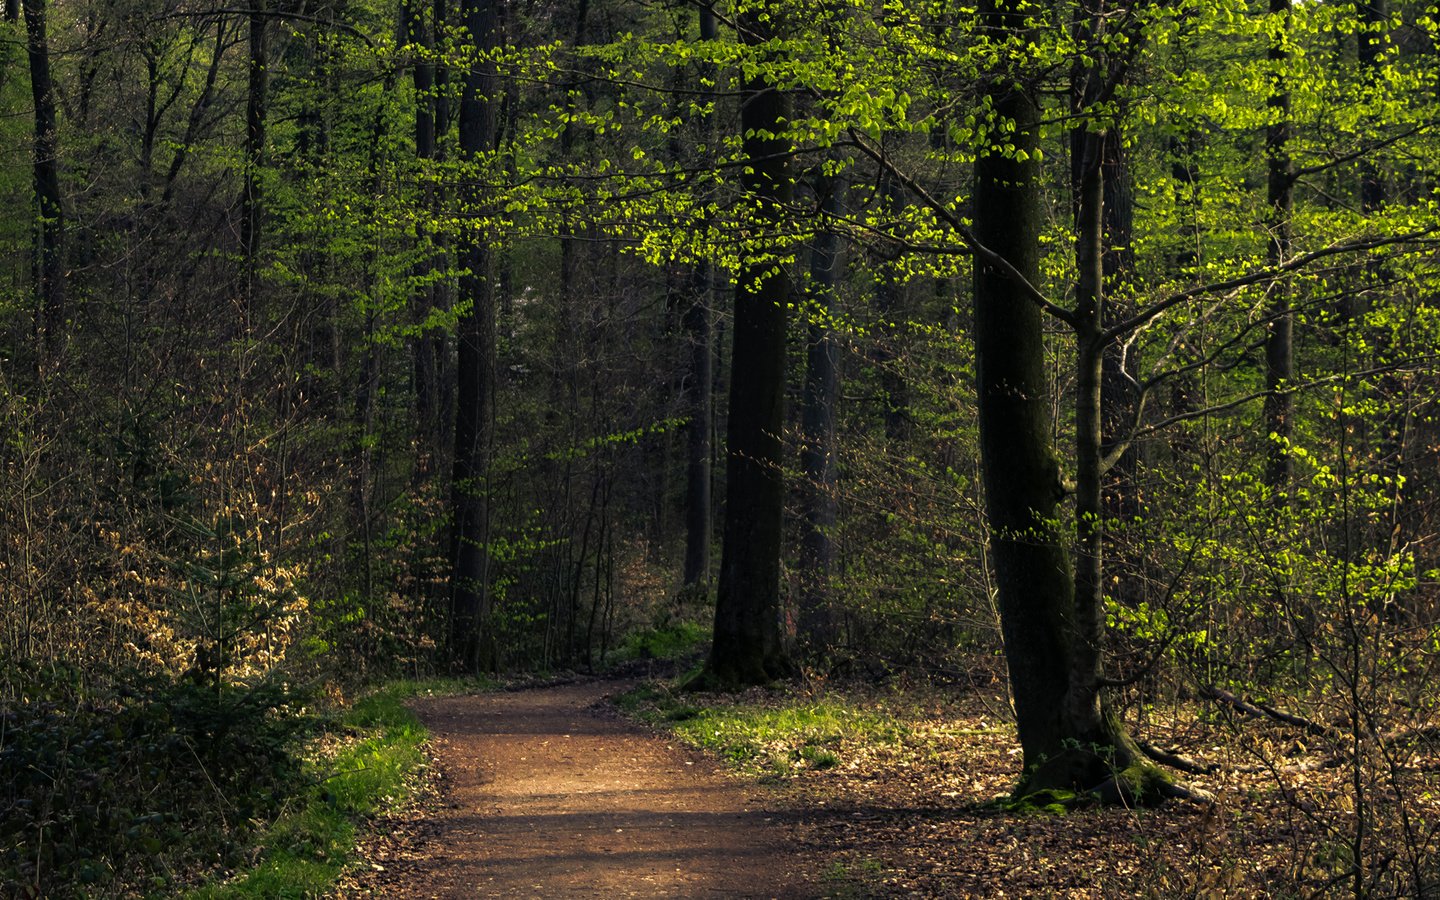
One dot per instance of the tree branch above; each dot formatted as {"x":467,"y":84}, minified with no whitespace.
{"x":967,"y":236}
{"x":1148,"y":315}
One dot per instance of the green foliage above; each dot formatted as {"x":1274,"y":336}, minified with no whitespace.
{"x":370,"y":771}
{"x":677,"y":640}
{"x":99,"y":796}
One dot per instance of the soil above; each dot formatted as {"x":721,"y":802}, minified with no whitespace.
{"x":549,"y":793}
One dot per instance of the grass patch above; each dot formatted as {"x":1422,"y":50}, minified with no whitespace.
{"x":363,"y":765}
{"x":764,"y":735}
{"x":676,"y":640}
{"x":852,"y":880}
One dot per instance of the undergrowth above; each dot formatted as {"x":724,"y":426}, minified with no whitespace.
{"x":147,"y":791}
{"x":135,"y":791}
{"x":768,"y":736}
{"x":363,"y":766}
{"x":672,"y":641}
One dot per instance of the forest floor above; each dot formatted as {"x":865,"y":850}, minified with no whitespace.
{"x":550,"y":792}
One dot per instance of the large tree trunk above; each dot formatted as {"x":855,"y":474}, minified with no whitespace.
{"x":817,"y":438}
{"x":748,"y":643}
{"x":1051,"y":641}
{"x":50,"y":225}
{"x":472,"y":641}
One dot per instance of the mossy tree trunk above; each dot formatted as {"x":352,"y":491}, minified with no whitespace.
{"x":1051,"y":615}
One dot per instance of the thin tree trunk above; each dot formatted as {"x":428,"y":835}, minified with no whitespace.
{"x":1373,"y":38}
{"x":890,"y":305}
{"x":471,"y":639}
{"x":50,"y":224}
{"x":426,"y":346}
{"x":256,"y":102}
{"x":817,"y":439}
{"x":1280,"y":339}
{"x":700,"y":327}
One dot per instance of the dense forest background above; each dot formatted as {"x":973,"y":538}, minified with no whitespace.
{"x":347,"y":340}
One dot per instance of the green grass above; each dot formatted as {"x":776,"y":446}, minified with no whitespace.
{"x":369,"y":772}
{"x":674,"y":641}
{"x":774,"y":739}
{"x":845,"y":881}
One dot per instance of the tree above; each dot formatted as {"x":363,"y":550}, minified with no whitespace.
{"x":1050,"y":615}
{"x":1280,"y":197}
{"x":472,"y":641}
{"x":748,"y":646}
{"x":817,"y":428}
{"x":699,"y":326}
{"x":257,"y":99}
{"x":49,"y":210}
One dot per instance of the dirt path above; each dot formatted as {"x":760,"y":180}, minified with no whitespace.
{"x":548,"y":793}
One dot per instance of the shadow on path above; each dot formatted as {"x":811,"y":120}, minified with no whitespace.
{"x":548,"y":794}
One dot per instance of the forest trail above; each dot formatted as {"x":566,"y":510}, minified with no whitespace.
{"x":548,"y":792}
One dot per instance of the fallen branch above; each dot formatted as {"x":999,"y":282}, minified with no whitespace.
{"x":1265,"y":711}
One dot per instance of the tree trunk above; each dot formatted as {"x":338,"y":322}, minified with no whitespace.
{"x":1280,"y":338}
{"x":890,"y":304}
{"x":50,"y":225}
{"x":1051,"y":641}
{"x":256,"y":102}
{"x":748,"y":644}
{"x":472,"y":642}
{"x":1373,"y":38}
{"x":700,"y":327}
{"x":817,"y":439}
{"x":427,"y":345}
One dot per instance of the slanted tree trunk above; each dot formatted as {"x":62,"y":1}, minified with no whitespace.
{"x":748,"y":643}
{"x":817,"y":434}
{"x":472,"y":642}
{"x":50,"y":216}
